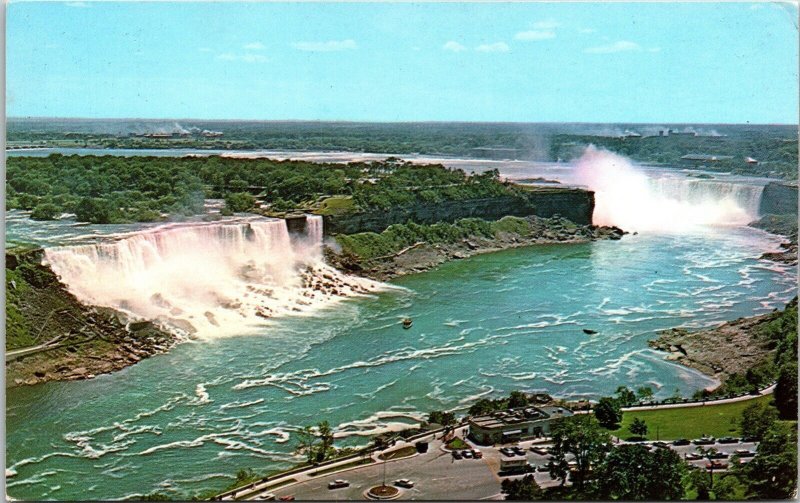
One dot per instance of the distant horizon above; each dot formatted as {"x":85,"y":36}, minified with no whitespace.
{"x":350,"y":121}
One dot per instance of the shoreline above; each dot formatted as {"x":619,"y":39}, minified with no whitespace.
{"x":108,"y":341}
{"x":82,"y":341}
{"x":422,"y":256}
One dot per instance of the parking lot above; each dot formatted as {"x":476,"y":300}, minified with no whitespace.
{"x":438,"y":475}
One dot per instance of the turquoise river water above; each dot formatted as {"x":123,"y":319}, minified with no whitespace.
{"x":186,"y":421}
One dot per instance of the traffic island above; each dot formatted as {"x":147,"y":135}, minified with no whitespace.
{"x":382,"y":493}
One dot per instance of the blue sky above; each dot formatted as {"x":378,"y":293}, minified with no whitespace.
{"x":522,"y":62}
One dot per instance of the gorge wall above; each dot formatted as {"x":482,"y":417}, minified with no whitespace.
{"x":779,"y":199}
{"x":575,"y":204}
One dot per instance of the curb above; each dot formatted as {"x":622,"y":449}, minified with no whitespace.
{"x":368,"y":494}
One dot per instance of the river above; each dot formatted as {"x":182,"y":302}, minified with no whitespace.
{"x":186,"y":421}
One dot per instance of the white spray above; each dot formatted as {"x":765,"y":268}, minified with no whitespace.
{"x":207,"y":279}
{"x":626,"y":197}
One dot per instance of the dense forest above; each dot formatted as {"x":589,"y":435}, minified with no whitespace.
{"x":112,"y":189}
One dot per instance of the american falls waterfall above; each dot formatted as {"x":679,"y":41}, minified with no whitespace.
{"x":207,"y":279}
{"x":626,"y":196}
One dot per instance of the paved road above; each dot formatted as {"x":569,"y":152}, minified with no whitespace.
{"x":437,"y":476}
{"x":743,"y":398}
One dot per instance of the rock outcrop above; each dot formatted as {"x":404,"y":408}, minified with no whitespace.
{"x":423,"y":256}
{"x":779,"y":199}
{"x":52,"y":336}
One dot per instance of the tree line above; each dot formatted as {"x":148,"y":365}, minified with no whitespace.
{"x":115,"y":189}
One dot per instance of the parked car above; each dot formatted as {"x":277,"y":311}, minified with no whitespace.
{"x":716,"y":465}
{"x":662,"y":445}
{"x":477,"y":454}
{"x":543,"y":468}
{"x":467,"y":454}
{"x":681,"y":441}
{"x":519,"y":451}
{"x":338,"y":484}
{"x":692,"y":456}
{"x":457,"y":455}
{"x":507,"y":451}
{"x":404,"y":483}
{"x":744,"y":453}
{"x":719,"y":455}
{"x":266,"y":497}
{"x":728,"y":440}
{"x":288,"y":497}
{"x":542,"y":451}
{"x":703,"y":441}
{"x":749,"y":439}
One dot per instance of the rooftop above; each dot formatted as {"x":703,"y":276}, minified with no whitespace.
{"x":518,"y":416}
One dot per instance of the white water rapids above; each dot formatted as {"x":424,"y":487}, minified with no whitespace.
{"x":207,"y":279}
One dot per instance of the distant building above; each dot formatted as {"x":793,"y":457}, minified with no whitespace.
{"x":514,"y":424}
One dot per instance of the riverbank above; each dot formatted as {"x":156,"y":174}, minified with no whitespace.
{"x":738,"y":353}
{"x":51,"y":336}
{"x":423,"y":247}
{"x":784,"y":226}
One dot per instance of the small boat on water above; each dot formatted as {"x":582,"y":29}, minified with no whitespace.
{"x":407,"y":322}
{"x":589,"y":331}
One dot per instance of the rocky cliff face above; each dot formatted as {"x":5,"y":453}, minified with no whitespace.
{"x":574,"y":204}
{"x":50,"y":335}
{"x":779,"y":199}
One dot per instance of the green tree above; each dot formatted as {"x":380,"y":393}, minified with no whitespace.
{"x":638,"y":428}
{"x":517,"y":399}
{"x":697,"y":479}
{"x":306,"y":443}
{"x":786,"y":391}
{"x":245,"y":475}
{"x":644,"y":393}
{"x":582,"y":437}
{"x":757,"y":419}
{"x":524,"y":489}
{"x":45,"y":211}
{"x":94,"y":210}
{"x":631,"y":472}
{"x":239,"y":202}
{"x":772,"y":473}
{"x":728,"y":488}
{"x":625,"y":396}
{"x":442,"y":417}
{"x":709,"y":454}
{"x":608,"y":413}
{"x":325,"y":434}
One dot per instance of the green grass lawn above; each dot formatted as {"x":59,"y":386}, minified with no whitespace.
{"x":403,"y":452}
{"x":457,"y":443}
{"x":336,"y":205}
{"x":689,"y":422}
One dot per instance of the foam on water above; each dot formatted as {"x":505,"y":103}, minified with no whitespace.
{"x":207,"y":279}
